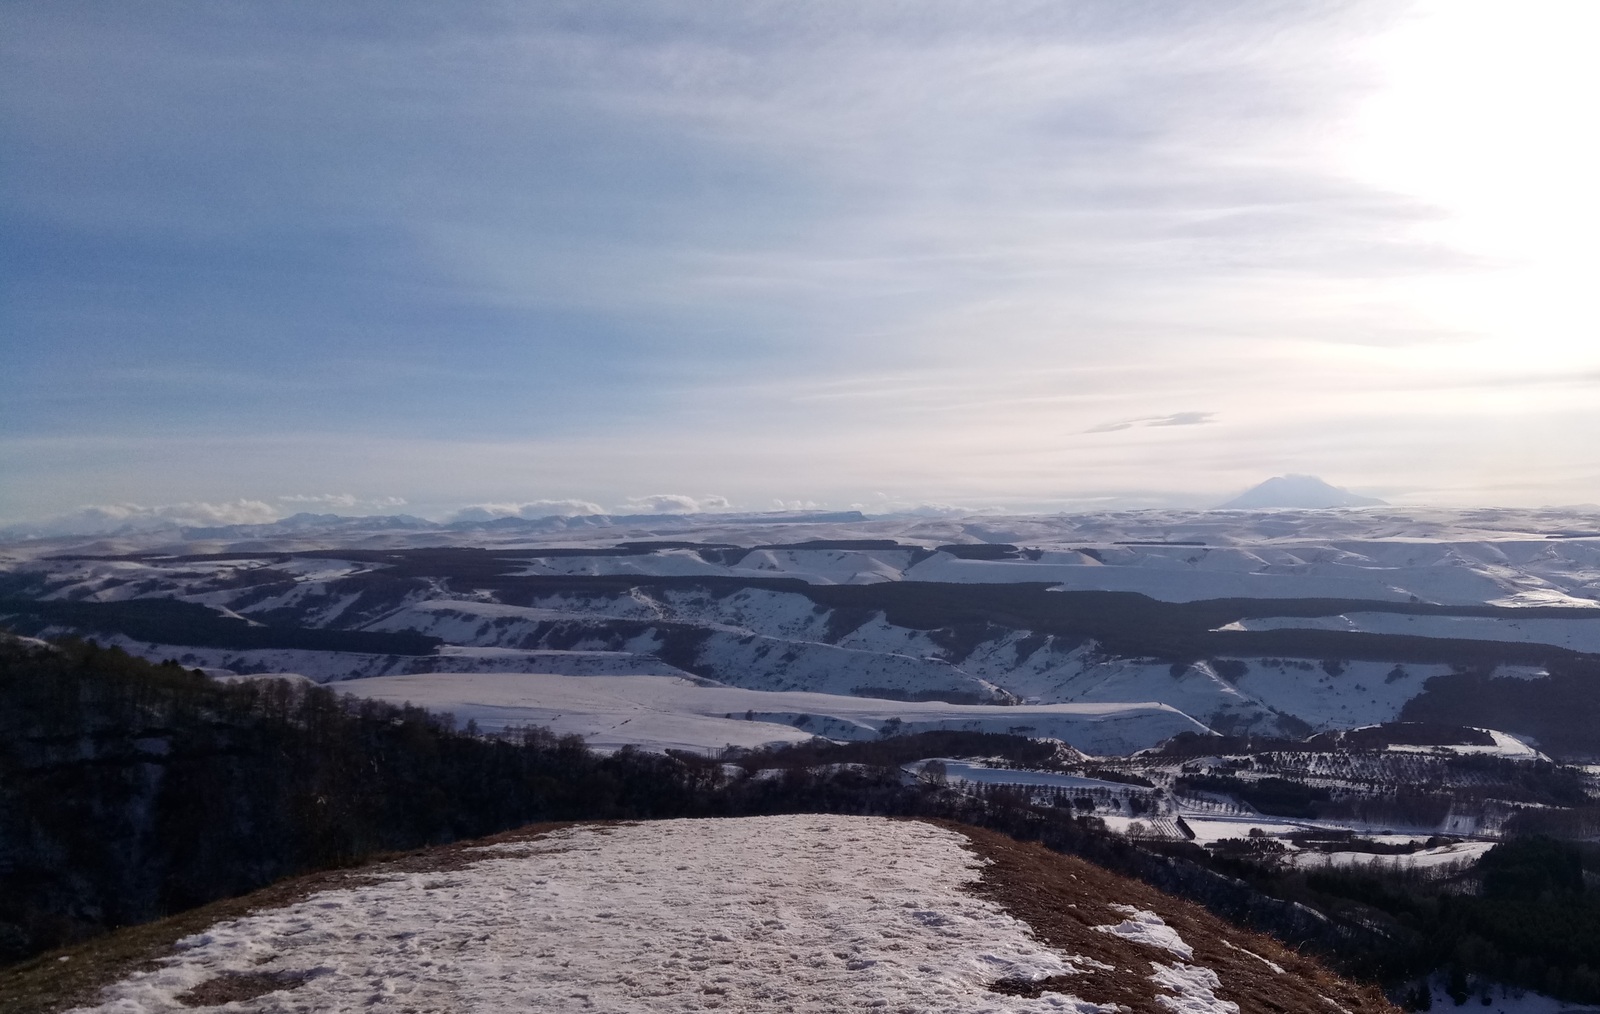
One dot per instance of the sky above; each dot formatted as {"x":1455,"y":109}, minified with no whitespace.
{"x":405,"y":256}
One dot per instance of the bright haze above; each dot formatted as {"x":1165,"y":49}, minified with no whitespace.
{"x":1033,"y":256}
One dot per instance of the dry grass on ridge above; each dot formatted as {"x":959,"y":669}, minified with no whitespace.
{"x":1063,"y":897}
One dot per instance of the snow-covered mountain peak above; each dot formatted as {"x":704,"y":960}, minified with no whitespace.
{"x":1305,"y":492}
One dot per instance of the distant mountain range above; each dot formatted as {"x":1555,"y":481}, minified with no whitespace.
{"x":307,"y":523}
{"x":1306,"y":492}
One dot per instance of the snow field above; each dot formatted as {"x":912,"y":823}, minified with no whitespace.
{"x":1148,"y":928}
{"x":1465,"y":853}
{"x":798,"y":913}
{"x":1505,"y":745}
{"x":657,"y":712}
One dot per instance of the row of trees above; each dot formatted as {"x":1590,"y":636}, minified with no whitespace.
{"x":130,"y":790}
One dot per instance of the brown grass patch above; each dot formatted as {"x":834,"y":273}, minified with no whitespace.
{"x":231,"y":987}
{"x":1062,"y":898}
{"x":74,"y":976}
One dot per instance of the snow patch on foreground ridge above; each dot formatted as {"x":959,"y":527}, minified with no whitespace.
{"x":1193,"y":987}
{"x":1148,"y":928}
{"x":796,"y":913}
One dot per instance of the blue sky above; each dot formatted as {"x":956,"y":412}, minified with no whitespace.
{"x":1027,"y":255}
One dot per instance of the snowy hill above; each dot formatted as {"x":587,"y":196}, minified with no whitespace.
{"x":1300,"y":491}
{"x":797,"y":913}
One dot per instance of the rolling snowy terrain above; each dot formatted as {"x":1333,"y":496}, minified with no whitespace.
{"x":1280,"y":622}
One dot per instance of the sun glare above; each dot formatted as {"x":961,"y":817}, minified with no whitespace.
{"x":1488,"y":113}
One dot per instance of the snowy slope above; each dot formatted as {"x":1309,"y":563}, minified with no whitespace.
{"x":756,"y":639}
{"x":777,"y":913}
{"x":1578,"y":634}
{"x":661,"y":712}
{"x":331,"y":666}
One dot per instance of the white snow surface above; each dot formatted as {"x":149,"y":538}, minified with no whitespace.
{"x":1148,"y":928}
{"x":795,"y":913}
{"x":1464,"y":853}
{"x":658,"y":712}
{"x":1191,"y":989}
{"x":1504,"y":745}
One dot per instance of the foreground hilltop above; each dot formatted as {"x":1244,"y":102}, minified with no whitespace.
{"x":792,"y":913}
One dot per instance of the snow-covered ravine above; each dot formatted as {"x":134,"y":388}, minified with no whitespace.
{"x":797,"y":913}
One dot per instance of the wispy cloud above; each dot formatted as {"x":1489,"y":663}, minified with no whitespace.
{"x":674,"y":503}
{"x":531,"y":509}
{"x":1175,"y":419}
{"x":786,"y":252}
{"x":105,"y":519}
{"x":344,"y":501}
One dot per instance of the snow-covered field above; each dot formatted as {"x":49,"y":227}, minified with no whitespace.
{"x":1210,"y":828}
{"x":1504,"y":745}
{"x":659,"y":712}
{"x":801,"y":913}
{"x":1463,"y":853}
